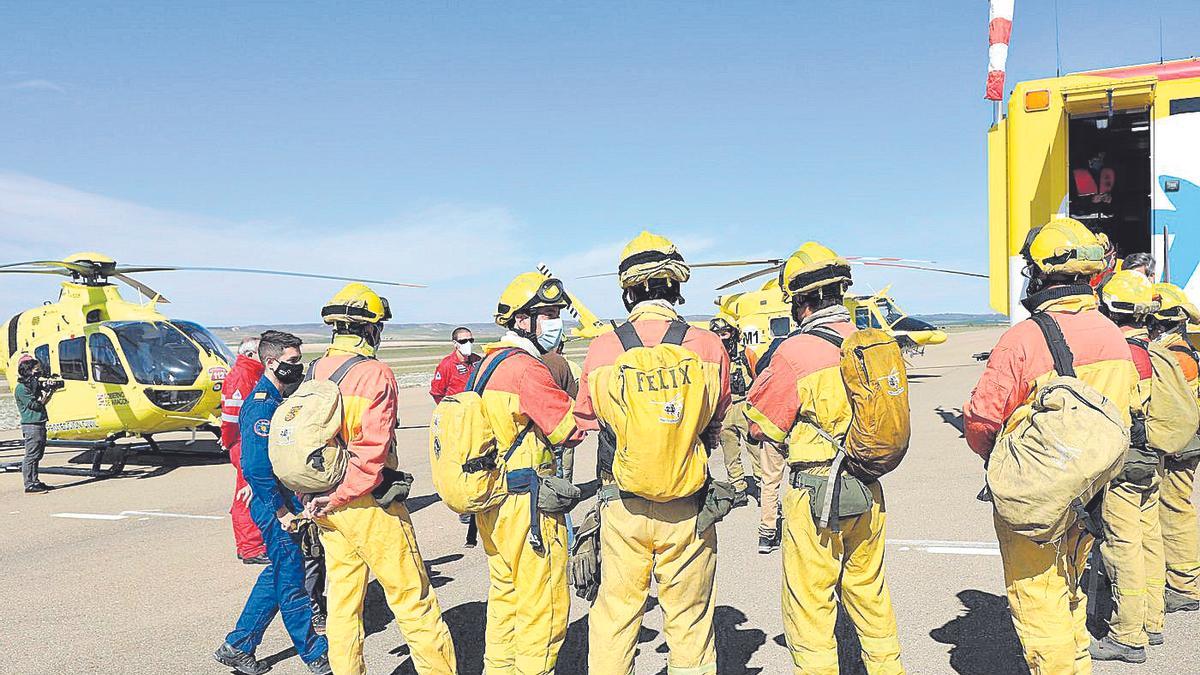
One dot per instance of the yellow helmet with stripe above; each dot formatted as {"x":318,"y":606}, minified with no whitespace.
{"x":528,"y":292}
{"x":1064,"y":246}
{"x":651,"y":256}
{"x":1129,"y":293}
{"x":811,"y":267}
{"x":356,"y":303}
{"x":1174,"y":304}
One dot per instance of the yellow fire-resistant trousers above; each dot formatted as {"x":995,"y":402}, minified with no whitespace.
{"x":528,"y":599}
{"x":640,"y":538}
{"x":361,"y":539}
{"x":735,"y":431}
{"x":772,"y":464}
{"x":814,"y":560}
{"x":1133,"y":559}
{"x":1047,"y":602}
{"x":1180,"y":531}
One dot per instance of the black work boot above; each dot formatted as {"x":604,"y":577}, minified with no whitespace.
{"x":1178,"y":602}
{"x":239,"y":660}
{"x":1156,"y":639}
{"x":320,"y":666}
{"x":740,"y":499}
{"x":766,"y":544}
{"x":1108,"y":649}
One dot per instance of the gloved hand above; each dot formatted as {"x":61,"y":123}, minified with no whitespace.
{"x":711,"y":438}
{"x":718,"y":502}
{"x":310,"y":539}
{"x":394,"y":487}
{"x":557,"y":495}
{"x":583,"y":567}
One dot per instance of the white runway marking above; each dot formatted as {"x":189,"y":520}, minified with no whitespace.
{"x":160,"y":514}
{"x":946,"y":547}
{"x":88,"y":516}
{"x":146,"y":515}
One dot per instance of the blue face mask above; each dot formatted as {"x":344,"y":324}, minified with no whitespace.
{"x":551,"y":336}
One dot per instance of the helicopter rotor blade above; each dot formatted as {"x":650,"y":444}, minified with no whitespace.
{"x":919,"y":268}
{"x":245,"y":270}
{"x":736,"y":263}
{"x":75,"y":268}
{"x":61,"y":273}
{"x":142,"y":288}
{"x":748,"y":277}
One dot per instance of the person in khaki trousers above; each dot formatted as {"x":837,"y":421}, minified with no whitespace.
{"x":1180,"y":529}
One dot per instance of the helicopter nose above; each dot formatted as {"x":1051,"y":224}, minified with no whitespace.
{"x":935,"y":337}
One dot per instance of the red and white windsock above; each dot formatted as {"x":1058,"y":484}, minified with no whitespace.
{"x":1000,"y":13}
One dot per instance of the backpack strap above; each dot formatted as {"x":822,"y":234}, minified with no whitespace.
{"x":344,"y":369}
{"x":481,"y":374}
{"x":1060,"y":351}
{"x":828,"y":335}
{"x":628,"y":336}
{"x":1141,"y":344}
{"x":677,"y":330}
{"x":339,"y":374}
{"x":765,"y":359}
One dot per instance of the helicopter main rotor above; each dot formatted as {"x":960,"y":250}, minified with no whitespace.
{"x":98,"y":272}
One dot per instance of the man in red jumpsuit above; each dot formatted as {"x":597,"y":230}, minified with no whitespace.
{"x":246,"y":372}
{"x":451,"y":375}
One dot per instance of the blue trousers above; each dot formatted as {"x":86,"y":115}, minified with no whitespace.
{"x":279,"y":590}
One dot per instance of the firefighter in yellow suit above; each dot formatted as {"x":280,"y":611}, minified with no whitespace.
{"x":1047,"y":602}
{"x":1181,"y":535}
{"x":1132,"y":549}
{"x":798,"y":398}
{"x":640,"y":539}
{"x":359,"y":536}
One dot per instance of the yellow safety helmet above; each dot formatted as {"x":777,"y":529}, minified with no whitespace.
{"x":1064,"y":246}
{"x":356,"y":303}
{"x":812,"y":266}
{"x":527,"y":292}
{"x":1174,"y":304}
{"x":651,"y":256}
{"x":1129,"y":293}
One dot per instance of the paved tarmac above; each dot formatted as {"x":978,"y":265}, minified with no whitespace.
{"x":137,"y":574}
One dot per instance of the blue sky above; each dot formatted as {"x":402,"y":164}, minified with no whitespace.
{"x":459,"y":143}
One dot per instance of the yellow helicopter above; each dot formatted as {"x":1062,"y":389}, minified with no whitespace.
{"x":127,"y":370}
{"x":761,"y":315}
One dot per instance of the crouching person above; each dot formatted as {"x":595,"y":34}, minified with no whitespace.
{"x":361,"y":537}
{"x":280,"y":587}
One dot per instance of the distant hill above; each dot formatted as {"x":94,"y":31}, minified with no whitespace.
{"x":957,"y":319}
{"x":436,"y":332}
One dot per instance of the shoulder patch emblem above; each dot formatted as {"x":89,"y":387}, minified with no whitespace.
{"x":260,"y":396}
{"x":263,"y":428}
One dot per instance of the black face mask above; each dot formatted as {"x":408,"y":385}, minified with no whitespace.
{"x":730,"y":344}
{"x":289,"y":373}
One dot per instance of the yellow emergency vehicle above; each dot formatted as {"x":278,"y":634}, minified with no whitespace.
{"x":1117,"y":149}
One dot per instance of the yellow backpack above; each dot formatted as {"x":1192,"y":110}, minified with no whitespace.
{"x":876,"y":381}
{"x":1045,"y":471}
{"x":657,"y":402}
{"x":462,"y":445}
{"x":1172,"y":416}
{"x":307,"y":452}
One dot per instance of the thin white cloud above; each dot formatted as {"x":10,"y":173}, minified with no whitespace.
{"x":40,"y":219}
{"x":36,"y":85}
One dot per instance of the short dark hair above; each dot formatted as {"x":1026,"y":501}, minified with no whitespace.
{"x":1139,"y":259}
{"x":272,"y":343}
{"x":25,"y":369}
{"x":653,"y":289}
{"x":454,"y":333}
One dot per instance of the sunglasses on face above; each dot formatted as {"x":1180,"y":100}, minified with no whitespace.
{"x":465,"y":341}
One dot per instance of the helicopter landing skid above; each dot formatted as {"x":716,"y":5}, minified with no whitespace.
{"x":99,"y":449}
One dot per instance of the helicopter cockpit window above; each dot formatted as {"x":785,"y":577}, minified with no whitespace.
{"x":42,"y":354}
{"x":862,"y":317}
{"x":781,"y":326}
{"x":157,"y":352}
{"x":891,"y":313}
{"x":106,"y":364}
{"x":207,"y":341}
{"x":72,"y":359}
